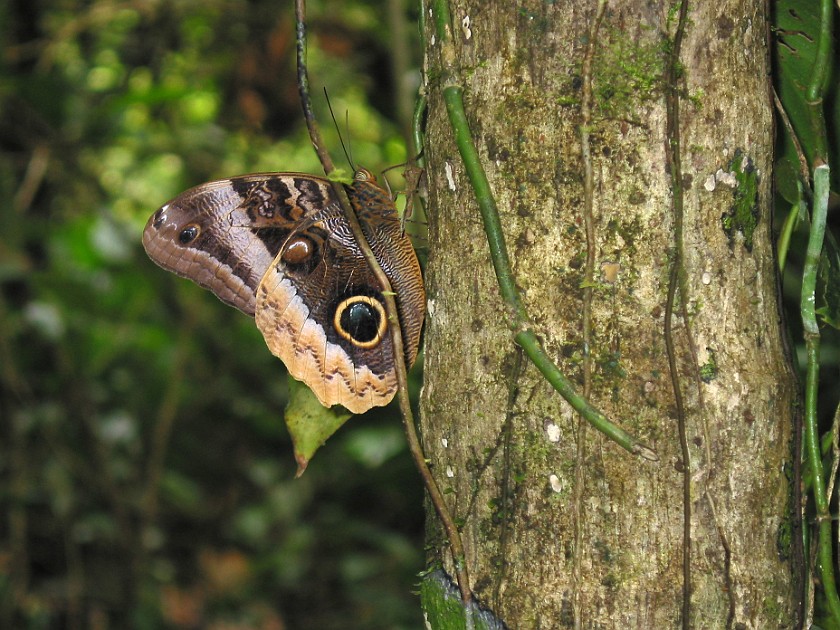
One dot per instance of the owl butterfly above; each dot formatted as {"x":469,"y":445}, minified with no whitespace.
{"x":278,"y":247}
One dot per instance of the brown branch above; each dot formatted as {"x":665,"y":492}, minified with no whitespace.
{"x":588,"y":281}
{"x":305,"y":101}
{"x":672,"y":153}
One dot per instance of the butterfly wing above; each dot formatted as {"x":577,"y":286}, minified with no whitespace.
{"x":224,"y":235}
{"x":277,"y":246}
{"x":321,"y":310}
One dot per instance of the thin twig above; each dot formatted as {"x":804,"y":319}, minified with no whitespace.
{"x":672,"y":152}
{"x":588,"y":196}
{"x":415,"y":448}
{"x":588,"y":292}
{"x":303,"y":89}
{"x":506,"y":505}
{"x":804,"y":172}
{"x":35,"y":172}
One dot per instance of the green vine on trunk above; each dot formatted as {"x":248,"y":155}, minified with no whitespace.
{"x":818,"y":83}
{"x":814,"y":97}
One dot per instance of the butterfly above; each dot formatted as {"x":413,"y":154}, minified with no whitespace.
{"x":278,"y":247}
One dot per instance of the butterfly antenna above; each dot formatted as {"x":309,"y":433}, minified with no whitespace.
{"x":347,"y":154}
{"x":349,"y":146}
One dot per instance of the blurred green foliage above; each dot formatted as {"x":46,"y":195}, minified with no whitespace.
{"x":146,"y":479}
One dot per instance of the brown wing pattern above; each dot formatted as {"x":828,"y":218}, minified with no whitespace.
{"x":224,"y":235}
{"x":277,"y":246}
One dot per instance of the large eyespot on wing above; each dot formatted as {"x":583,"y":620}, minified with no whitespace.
{"x":361,"y":320}
{"x":330,"y":333}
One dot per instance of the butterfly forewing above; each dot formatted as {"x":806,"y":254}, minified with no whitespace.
{"x":215,"y":236}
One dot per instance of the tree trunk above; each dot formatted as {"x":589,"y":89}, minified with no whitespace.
{"x":562,"y":528}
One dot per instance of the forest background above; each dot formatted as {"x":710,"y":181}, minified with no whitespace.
{"x":146,"y":477}
{"x":146,"y":474}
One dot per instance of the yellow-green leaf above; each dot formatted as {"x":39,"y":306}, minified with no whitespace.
{"x":310,"y":423}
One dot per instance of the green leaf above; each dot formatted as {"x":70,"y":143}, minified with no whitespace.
{"x":828,"y":283}
{"x":797,"y":214}
{"x":796,"y":27}
{"x":310,"y":423}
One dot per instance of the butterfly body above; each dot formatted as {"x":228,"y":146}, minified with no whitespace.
{"x":278,"y":246}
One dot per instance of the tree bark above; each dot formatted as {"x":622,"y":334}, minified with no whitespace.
{"x":561,"y":527}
